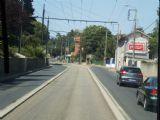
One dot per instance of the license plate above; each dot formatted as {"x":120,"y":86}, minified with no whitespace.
{"x":132,"y":80}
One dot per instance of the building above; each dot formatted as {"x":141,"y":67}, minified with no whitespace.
{"x":129,"y":52}
{"x":77,"y":45}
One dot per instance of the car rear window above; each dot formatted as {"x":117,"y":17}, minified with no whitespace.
{"x":154,"y":82}
{"x":132,"y":70}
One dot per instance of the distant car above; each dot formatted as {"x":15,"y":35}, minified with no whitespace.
{"x":130,"y":75}
{"x":147,"y":93}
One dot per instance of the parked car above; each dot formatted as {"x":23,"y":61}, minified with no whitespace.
{"x":130,"y":75}
{"x":147,"y":93}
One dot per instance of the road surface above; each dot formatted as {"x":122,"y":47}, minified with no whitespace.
{"x":73,"y":96}
{"x":125,"y":96}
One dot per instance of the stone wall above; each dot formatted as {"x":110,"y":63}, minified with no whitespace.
{"x":21,"y":65}
{"x":149,"y":69}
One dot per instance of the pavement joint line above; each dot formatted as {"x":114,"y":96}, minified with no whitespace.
{"x":21,"y":100}
{"x":117,"y":110}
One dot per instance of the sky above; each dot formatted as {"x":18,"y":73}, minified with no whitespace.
{"x":101,"y":10}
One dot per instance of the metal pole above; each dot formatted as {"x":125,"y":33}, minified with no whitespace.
{"x":80,"y":51}
{"x":117,"y":48}
{"x":105,"y":49}
{"x":61,"y":48}
{"x":4,"y":36}
{"x":47,"y":36}
{"x":135,"y":20}
{"x":21,"y":29}
{"x":43,"y":14}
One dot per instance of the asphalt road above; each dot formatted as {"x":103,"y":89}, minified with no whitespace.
{"x":15,"y":88}
{"x":125,"y":96}
{"x":72,"y":96}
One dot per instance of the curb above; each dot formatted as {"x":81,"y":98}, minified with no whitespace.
{"x":21,"y":100}
{"x":117,"y":110}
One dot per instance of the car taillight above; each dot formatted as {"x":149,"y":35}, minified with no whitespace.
{"x":153,"y":92}
{"x":140,"y":74}
{"x":123,"y":72}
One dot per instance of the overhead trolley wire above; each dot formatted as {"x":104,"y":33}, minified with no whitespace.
{"x":76,"y":20}
{"x":71,"y":8}
{"x":150,"y":25}
{"x":113,"y":10}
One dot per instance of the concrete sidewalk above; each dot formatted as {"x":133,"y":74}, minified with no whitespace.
{"x":16,"y":87}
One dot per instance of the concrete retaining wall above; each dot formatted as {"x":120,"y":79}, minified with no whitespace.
{"x":21,"y":65}
{"x":148,"y":69}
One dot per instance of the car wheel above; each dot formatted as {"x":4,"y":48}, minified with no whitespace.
{"x":120,"y":84}
{"x":117,"y":83}
{"x":145,"y":105}
{"x":138,"y":102}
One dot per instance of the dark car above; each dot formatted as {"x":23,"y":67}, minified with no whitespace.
{"x":147,"y":93}
{"x":130,"y":75}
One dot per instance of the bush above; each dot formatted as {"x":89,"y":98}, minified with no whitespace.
{"x":30,"y":51}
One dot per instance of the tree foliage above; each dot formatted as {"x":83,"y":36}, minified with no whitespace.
{"x":93,"y":41}
{"x":32,"y":44}
{"x":18,"y":17}
{"x":153,"y":41}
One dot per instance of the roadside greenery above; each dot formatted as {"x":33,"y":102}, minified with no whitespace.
{"x":93,"y":42}
{"x":153,"y":41}
{"x":92,"y":37}
{"x":21,"y":25}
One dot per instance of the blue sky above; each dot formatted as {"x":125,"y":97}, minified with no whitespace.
{"x":104,"y":10}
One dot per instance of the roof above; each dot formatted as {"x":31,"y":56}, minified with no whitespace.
{"x":123,"y":36}
{"x":140,"y":32}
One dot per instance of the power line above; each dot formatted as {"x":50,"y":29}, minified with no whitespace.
{"x":76,"y":20}
{"x":81,"y":8}
{"x":78,"y":9}
{"x":71,"y":8}
{"x":149,"y":25}
{"x":63,"y":9}
{"x":113,"y":10}
{"x":90,"y":9}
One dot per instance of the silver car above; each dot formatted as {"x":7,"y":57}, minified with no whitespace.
{"x":129,"y":75}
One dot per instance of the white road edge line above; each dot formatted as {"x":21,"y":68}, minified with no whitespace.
{"x":117,"y":110}
{"x":18,"y":102}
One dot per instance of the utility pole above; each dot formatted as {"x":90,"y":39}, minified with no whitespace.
{"x":46,"y":43}
{"x":47,"y":36}
{"x":135,"y":20}
{"x":43,"y":14}
{"x":105,"y":48}
{"x":117,"y":47}
{"x":61,"y":48}
{"x":4,"y":36}
{"x":21,"y":28}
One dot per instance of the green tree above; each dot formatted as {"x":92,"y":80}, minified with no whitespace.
{"x":93,"y":41}
{"x":32,"y":44}
{"x":17,"y":15}
{"x":153,"y":41}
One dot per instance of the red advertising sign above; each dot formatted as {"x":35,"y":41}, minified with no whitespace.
{"x":137,"y":46}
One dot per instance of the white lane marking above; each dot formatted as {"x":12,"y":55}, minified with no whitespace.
{"x":117,"y":110}
{"x":18,"y":102}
